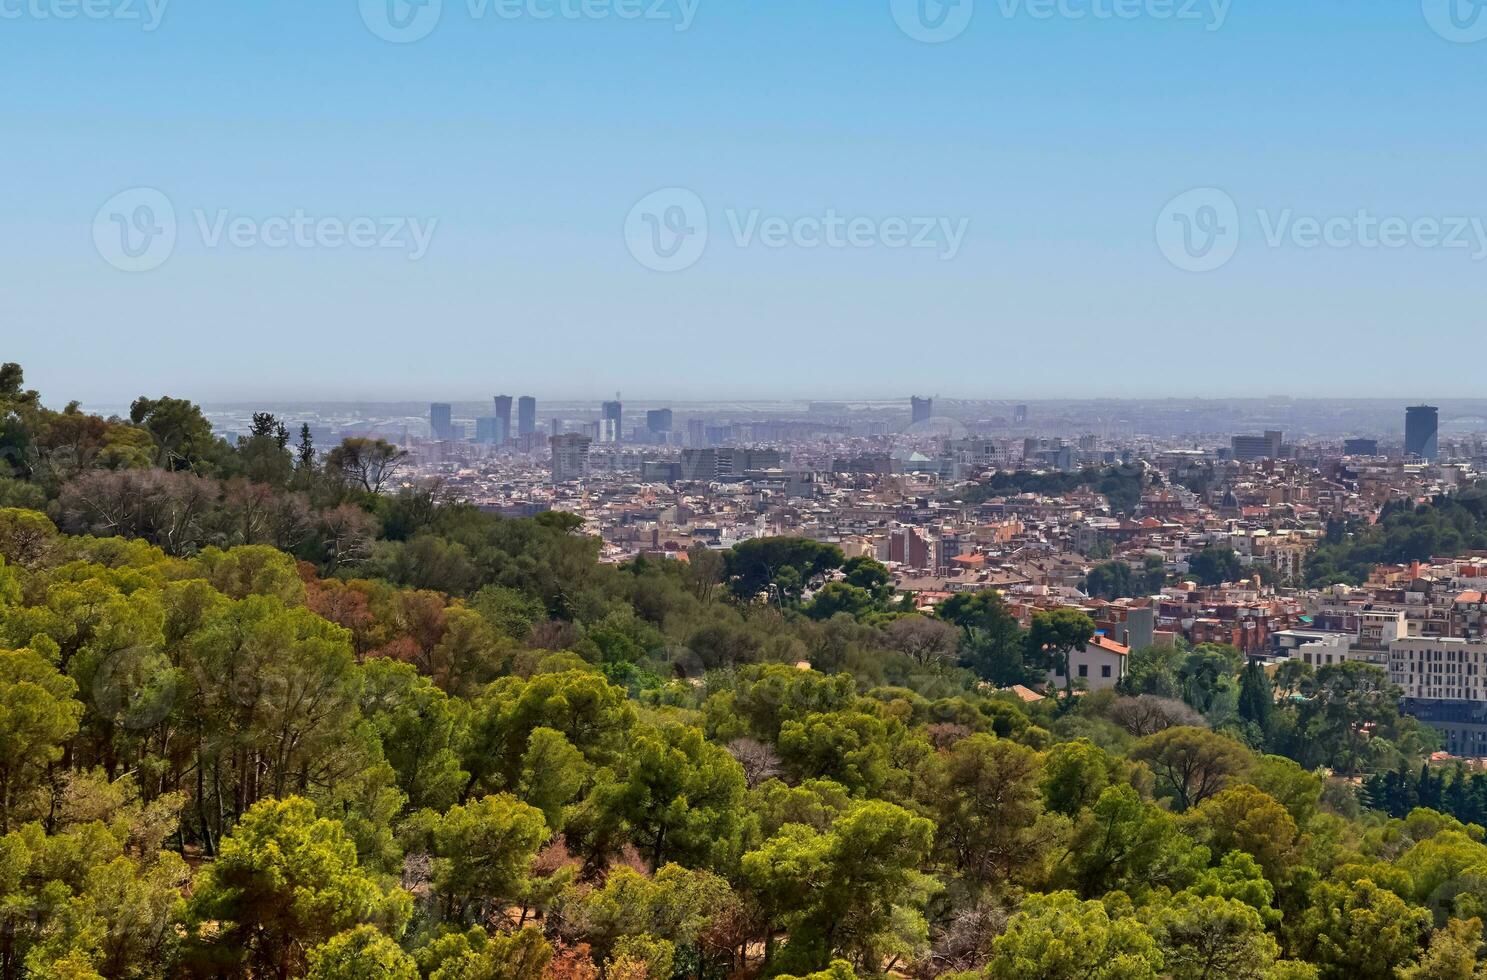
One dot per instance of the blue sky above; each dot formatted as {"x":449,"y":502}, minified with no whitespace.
{"x":523,"y":143}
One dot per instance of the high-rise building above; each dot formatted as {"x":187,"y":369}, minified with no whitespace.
{"x":1421,"y":430}
{"x":658,"y":421}
{"x":696,"y":433}
{"x":1250,"y":448}
{"x":1019,"y":414}
{"x":491,"y":431}
{"x":612,"y":412}
{"x":923,"y":409}
{"x":570,"y":457}
{"x":526,"y":416}
{"x":503,"y":414}
{"x":441,"y":423}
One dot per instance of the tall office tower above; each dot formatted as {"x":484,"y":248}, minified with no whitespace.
{"x":1019,"y":414}
{"x":696,"y":433}
{"x":612,"y":413}
{"x":441,"y":424}
{"x":570,"y":458}
{"x":1421,"y":429}
{"x":658,"y":421}
{"x":503,"y":413}
{"x":923,"y":408}
{"x":526,"y":416}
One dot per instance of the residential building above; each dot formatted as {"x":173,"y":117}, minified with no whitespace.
{"x":1098,"y":667}
{"x":570,"y":457}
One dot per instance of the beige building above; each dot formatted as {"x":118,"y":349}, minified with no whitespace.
{"x":1439,"y":668}
{"x":1098,"y":667}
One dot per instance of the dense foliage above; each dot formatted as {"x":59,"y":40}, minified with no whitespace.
{"x":1404,"y":532}
{"x":1121,"y":485}
{"x":463,"y":748}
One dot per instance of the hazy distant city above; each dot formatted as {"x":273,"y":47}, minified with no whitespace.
{"x":659,"y":477}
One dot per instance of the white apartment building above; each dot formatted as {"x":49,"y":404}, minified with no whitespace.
{"x":1439,"y":669}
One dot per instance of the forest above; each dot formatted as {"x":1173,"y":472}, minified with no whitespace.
{"x":265,"y":712}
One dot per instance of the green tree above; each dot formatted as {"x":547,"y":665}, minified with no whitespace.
{"x":835,"y":893}
{"x":1215,"y":566}
{"x":850,"y":747}
{"x":38,"y":715}
{"x":1213,"y":939}
{"x":992,"y":643}
{"x":1123,"y":843}
{"x":1256,"y":697}
{"x":679,"y":797}
{"x":1074,"y":774}
{"x":420,"y":728}
{"x":1358,"y":931}
{"x":553,"y":773}
{"x":840,"y":597}
{"x":477,"y":955}
{"x":370,"y":465}
{"x":988,"y":808}
{"x":1454,"y":953}
{"x":285,"y":882}
{"x":482,"y":854}
{"x":1054,"y":635}
{"x":362,"y":953}
{"x":183,"y":437}
{"x":778,"y":567}
{"x":1058,"y":937}
{"x":1191,"y":764}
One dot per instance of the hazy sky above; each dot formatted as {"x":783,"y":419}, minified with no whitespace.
{"x":499,"y":157}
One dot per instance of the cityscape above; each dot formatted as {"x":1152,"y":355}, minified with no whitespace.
{"x":697,"y":490}
{"x":962,"y":497}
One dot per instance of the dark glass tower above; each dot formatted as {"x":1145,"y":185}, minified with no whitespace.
{"x":1421,"y":428}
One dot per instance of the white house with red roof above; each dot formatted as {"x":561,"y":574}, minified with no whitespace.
{"x":1098,"y":667}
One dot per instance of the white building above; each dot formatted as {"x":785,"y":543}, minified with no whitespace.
{"x":1098,"y":667}
{"x":1439,"y":668}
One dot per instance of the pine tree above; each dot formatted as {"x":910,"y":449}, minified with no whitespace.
{"x":1256,"y":697}
{"x":306,"y":447}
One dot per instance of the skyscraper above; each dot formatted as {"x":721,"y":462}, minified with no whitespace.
{"x":526,"y":416}
{"x":441,"y":424}
{"x":923,"y":408}
{"x":503,"y":419}
{"x":1421,"y":428}
{"x":612,"y":413}
{"x":658,"y":421}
